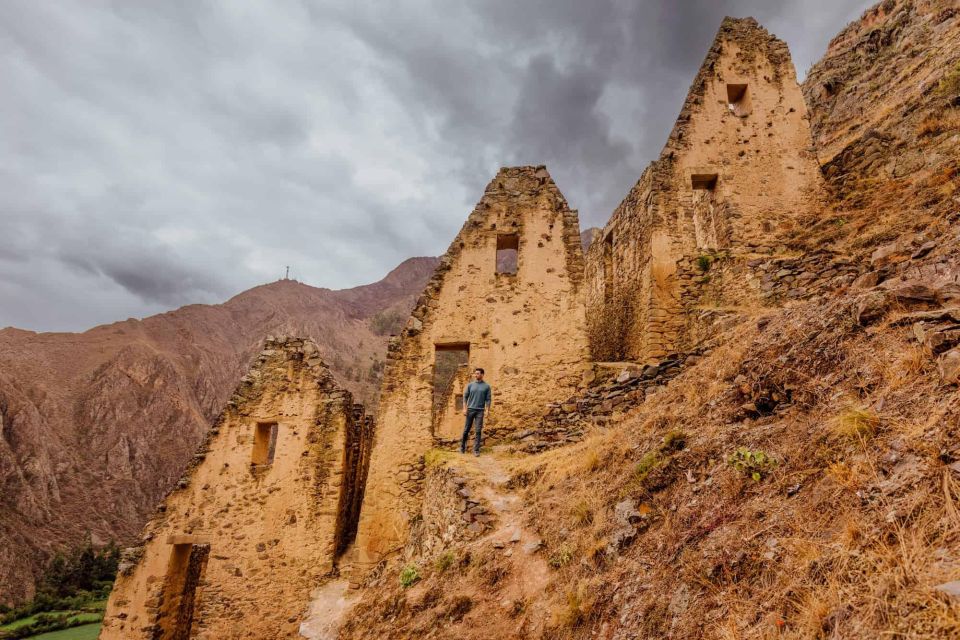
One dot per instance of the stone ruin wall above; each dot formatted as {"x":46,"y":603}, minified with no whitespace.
{"x":526,"y":330}
{"x":734,"y":179}
{"x":237,"y":547}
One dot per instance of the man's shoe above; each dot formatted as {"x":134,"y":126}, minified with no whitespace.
{"x":462,"y":452}
{"x":476,"y":453}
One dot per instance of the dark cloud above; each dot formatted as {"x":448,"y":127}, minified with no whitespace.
{"x":157,"y":154}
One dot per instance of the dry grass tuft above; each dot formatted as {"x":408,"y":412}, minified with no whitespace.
{"x":582,"y":513}
{"x":578,"y":608}
{"x":857,"y":424}
{"x":931,"y":126}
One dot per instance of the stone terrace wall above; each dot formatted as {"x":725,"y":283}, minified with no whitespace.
{"x":735,"y":176}
{"x":526,"y":330}
{"x":237,"y":547}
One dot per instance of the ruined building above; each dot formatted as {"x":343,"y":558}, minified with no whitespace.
{"x":506,"y":297}
{"x":273,"y":499}
{"x":267,"y":506}
{"x":736,"y":175}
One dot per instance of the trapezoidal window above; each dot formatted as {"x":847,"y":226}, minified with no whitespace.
{"x":608,"y":267}
{"x":264,"y":443}
{"x":707,"y":181}
{"x":449,"y":362}
{"x":508,"y":251}
{"x":738,"y":100}
{"x":184,"y":574}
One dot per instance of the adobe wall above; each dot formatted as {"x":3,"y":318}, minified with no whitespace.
{"x":734,"y":177}
{"x":526,"y":330}
{"x":237,"y":545}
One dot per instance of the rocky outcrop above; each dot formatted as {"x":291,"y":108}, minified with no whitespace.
{"x":885,"y":116}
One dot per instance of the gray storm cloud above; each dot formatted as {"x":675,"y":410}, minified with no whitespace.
{"x":159,"y":154}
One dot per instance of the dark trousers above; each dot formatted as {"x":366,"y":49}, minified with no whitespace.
{"x":474,"y":416}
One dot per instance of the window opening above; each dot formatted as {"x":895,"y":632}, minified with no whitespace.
{"x":706,"y":181}
{"x":508,"y":250}
{"x":738,"y":100}
{"x":264,"y":442}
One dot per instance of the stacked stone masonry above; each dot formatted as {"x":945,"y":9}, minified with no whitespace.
{"x":736,"y":175}
{"x":526,"y":329}
{"x":452,"y":513}
{"x":612,"y":388}
{"x":260,"y":517}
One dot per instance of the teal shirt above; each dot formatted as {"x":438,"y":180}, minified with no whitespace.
{"x":477,"y":395}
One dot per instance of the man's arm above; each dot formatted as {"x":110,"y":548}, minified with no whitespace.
{"x":466,"y":391}
{"x":489,"y":401}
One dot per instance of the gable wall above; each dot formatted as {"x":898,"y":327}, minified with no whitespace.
{"x":526,"y":331}
{"x":767,"y":178}
{"x":269,"y":533}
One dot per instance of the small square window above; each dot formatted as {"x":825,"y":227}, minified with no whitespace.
{"x":264,"y":443}
{"x":738,"y":100}
{"x":706,"y":181}
{"x":508,"y":250}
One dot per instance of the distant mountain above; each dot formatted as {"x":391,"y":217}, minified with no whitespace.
{"x":95,"y":427}
{"x":587,"y":237}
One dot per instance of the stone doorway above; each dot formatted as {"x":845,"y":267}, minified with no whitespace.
{"x":188,"y":562}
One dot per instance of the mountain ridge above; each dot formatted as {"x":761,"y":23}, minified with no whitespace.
{"x":81,"y":413}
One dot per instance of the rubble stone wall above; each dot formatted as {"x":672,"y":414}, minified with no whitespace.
{"x":268,"y":533}
{"x":735,"y":176}
{"x":525,"y":329}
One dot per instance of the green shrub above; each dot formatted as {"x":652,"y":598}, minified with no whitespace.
{"x":755,"y":464}
{"x":444,"y":562}
{"x":704,"y":261}
{"x":409,"y":576}
{"x":675,"y":440}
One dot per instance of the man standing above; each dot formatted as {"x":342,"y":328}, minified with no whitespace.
{"x":476,"y":397}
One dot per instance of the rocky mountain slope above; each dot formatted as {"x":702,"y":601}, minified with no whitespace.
{"x":95,"y":427}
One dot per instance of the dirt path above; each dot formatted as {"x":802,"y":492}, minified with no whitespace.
{"x":328,"y":608}
{"x":529,"y":574}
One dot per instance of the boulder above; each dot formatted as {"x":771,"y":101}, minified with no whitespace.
{"x":871,"y":307}
{"x":892,"y":253}
{"x":949,"y":366}
{"x":951,"y":589}
{"x":866,"y":281}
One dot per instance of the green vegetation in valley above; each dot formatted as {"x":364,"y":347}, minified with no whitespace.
{"x":71,"y":595}
{"x":83,"y":632}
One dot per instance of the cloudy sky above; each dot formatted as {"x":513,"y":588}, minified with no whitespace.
{"x":159,"y":153}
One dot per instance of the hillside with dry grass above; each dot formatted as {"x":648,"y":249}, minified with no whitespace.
{"x":800,"y":477}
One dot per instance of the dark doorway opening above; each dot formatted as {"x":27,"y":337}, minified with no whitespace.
{"x":188,"y":561}
{"x":448,"y":360}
